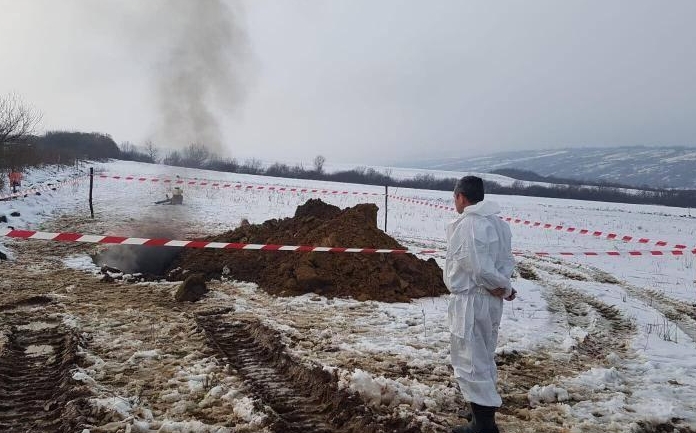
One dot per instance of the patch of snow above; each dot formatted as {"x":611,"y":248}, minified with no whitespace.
{"x":35,"y":350}
{"x":144,"y":355}
{"x":118,"y":405}
{"x":546,"y":394}
{"x":81,"y":263}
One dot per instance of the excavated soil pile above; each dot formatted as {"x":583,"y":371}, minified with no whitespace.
{"x":380,"y":277}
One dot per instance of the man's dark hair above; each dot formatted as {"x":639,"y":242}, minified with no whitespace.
{"x":471,"y":187}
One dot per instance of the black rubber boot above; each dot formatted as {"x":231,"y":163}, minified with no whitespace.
{"x":468,"y":414}
{"x":465,"y":413}
{"x":483,"y":421}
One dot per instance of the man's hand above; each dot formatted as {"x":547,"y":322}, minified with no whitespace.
{"x":498,"y":293}
{"x":512,"y":296}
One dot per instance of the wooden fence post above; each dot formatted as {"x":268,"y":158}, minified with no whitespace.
{"x":91,"y":184}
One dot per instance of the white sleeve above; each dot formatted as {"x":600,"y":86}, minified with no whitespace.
{"x":481,"y":243}
{"x":509,"y":264}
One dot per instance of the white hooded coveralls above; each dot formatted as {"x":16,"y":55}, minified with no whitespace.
{"x":479,"y":259}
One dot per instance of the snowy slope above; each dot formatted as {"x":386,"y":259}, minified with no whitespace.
{"x":672,"y":167}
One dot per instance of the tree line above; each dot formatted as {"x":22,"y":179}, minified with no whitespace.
{"x":198,"y":156}
{"x":20,"y":148}
{"x":528,"y":175}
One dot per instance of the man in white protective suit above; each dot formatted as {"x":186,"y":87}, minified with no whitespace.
{"x":477,"y":273}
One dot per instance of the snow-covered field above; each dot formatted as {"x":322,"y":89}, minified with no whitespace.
{"x":592,"y":344}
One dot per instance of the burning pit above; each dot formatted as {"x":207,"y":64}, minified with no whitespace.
{"x":139,"y":261}
{"x":381,"y":277}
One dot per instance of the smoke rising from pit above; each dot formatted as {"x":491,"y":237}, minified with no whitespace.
{"x":203,"y":73}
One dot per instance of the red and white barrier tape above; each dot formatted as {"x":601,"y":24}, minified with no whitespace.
{"x":421,"y":202}
{"x":164,"y":176}
{"x":102,"y":239}
{"x":609,"y":253}
{"x":595,"y":233}
{"x":32,"y":191}
{"x":237,"y":186}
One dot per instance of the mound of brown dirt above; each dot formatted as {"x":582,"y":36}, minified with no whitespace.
{"x":381,"y":277}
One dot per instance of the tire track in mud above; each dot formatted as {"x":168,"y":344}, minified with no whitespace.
{"x":301,"y":398}
{"x":679,"y":311}
{"x":610,"y":326}
{"x":37,"y":392}
{"x":682,"y":313}
{"x":607,"y":331}
{"x":606,"y":325}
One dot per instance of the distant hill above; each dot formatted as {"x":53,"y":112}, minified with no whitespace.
{"x":657,"y":167}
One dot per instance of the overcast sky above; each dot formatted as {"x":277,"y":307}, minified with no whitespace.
{"x":358,"y":81}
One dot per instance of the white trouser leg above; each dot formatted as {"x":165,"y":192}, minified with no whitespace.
{"x":473,"y":353}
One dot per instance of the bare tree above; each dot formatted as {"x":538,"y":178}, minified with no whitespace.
{"x":319,"y":161}
{"x":17,"y":120}
{"x":151,"y":150}
{"x":251,"y":166}
{"x":196,"y":155}
{"x":173,"y":158}
{"x":127,"y":147}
